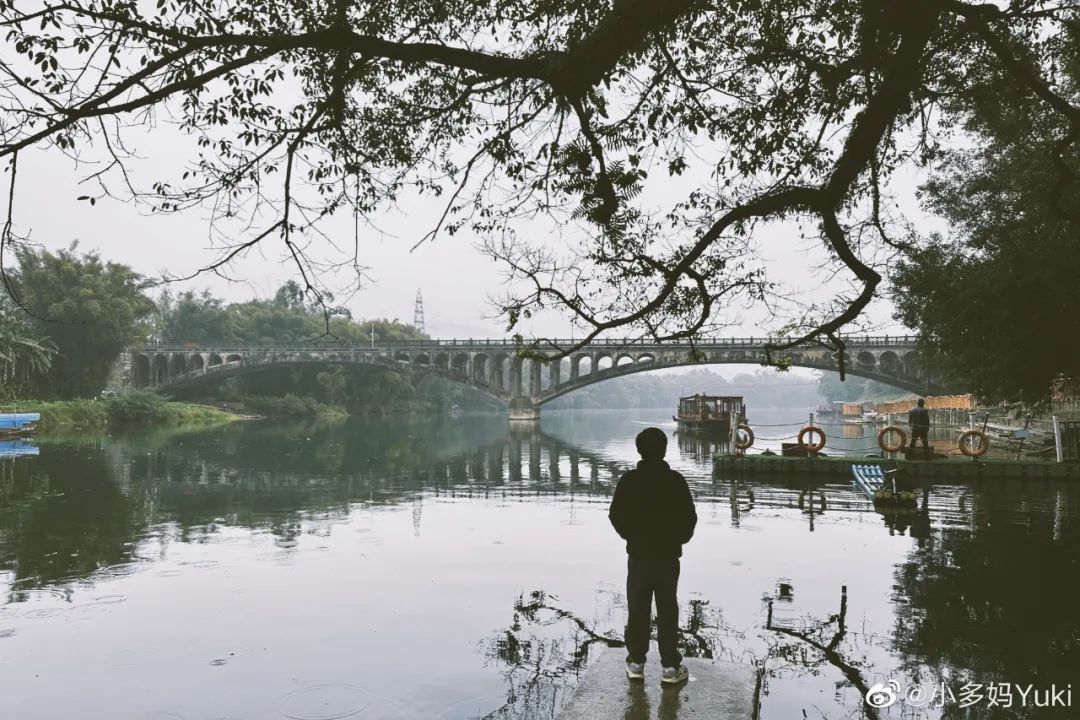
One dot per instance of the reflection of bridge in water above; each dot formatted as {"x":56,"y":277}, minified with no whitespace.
{"x":516,"y":466}
{"x":496,"y":368}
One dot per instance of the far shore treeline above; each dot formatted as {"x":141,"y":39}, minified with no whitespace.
{"x":70,"y":314}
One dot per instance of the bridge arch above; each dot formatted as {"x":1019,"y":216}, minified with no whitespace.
{"x":580,"y":360}
{"x":459,"y":365}
{"x":889,"y":362}
{"x":900,"y":382}
{"x":140,"y":370}
{"x":177,"y":365}
{"x":480,"y":370}
{"x":159,"y":369}
{"x":912,"y":362}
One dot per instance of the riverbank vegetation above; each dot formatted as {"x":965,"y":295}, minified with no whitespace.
{"x":994,"y":298}
{"x":132,"y":409}
{"x":81,"y":309}
{"x":68,"y":316}
{"x":306,"y":390}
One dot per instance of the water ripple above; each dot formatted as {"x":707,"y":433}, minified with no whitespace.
{"x":325,"y":702}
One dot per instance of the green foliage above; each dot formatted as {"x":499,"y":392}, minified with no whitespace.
{"x":304,"y":391}
{"x":995,"y":300}
{"x":203,"y":318}
{"x":289,"y":405}
{"x":89,"y":309}
{"x":25,"y":354}
{"x":144,"y":409}
{"x":138,"y":407}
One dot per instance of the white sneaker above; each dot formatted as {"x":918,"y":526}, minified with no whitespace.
{"x":635,"y":671}
{"x":675,"y":675}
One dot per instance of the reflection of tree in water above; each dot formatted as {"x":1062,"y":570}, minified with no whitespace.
{"x":995,"y":601}
{"x":82,"y":506}
{"x":546,"y":648}
{"x":63,"y":518}
{"x":819,"y":644}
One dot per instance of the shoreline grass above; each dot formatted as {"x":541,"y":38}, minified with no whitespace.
{"x":142,"y":409}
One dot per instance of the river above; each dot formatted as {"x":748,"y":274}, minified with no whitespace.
{"x":446,"y":568}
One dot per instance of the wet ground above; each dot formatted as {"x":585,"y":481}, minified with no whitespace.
{"x":446,"y":569}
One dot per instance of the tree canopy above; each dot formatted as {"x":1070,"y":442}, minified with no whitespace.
{"x":90,"y":309}
{"x":994,"y":299}
{"x":25,"y":353}
{"x":513,"y":113}
{"x":287,"y":318}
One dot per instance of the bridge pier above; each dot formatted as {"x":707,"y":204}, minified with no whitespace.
{"x":524,"y":410}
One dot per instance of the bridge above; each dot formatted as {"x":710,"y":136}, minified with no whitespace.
{"x":524,"y":384}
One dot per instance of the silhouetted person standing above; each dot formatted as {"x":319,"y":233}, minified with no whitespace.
{"x":653,"y":511}
{"x":919,"y":420}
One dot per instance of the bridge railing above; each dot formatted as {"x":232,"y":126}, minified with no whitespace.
{"x":705,"y":343}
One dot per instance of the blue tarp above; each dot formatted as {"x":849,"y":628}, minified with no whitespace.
{"x":17,"y":448}
{"x":9,"y":421}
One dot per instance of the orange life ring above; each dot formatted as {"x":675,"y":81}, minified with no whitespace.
{"x":888,"y":431}
{"x":743,"y":445}
{"x":984,"y":443}
{"x":806,"y":431}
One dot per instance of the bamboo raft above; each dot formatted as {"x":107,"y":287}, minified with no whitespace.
{"x":950,"y":469}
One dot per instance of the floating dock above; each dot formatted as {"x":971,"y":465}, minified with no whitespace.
{"x":714,"y":690}
{"x":947,"y":469}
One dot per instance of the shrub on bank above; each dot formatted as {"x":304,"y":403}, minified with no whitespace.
{"x":289,"y":405}
{"x":136,"y":407}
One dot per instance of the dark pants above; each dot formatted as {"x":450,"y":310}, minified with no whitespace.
{"x":920,"y":433}
{"x":647,"y":577}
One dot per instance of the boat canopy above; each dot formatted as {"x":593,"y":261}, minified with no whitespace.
{"x":711,"y":405}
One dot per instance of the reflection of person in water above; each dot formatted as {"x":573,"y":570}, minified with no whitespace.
{"x":637,"y":705}
{"x":652,"y":510}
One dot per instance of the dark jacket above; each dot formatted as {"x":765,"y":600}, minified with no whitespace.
{"x":653,"y":511}
{"x":919,"y":417}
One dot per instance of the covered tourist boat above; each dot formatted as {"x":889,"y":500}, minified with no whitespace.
{"x":713,"y":413}
{"x":18,"y":424}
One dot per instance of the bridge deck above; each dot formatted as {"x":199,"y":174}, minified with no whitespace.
{"x":715,"y":690}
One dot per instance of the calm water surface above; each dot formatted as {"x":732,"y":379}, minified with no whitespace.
{"x":441,"y":568}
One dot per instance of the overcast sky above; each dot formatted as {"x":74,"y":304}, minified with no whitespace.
{"x":455,"y":278}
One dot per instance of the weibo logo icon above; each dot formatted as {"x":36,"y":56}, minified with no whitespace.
{"x":883,"y":695}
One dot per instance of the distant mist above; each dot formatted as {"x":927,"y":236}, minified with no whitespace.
{"x":765,"y":388}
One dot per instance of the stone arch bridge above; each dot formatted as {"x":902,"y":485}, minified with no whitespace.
{"x":494,"y":366}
